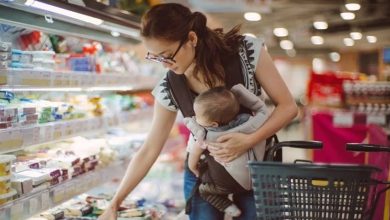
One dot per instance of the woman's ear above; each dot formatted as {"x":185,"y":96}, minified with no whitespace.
{"x":193,"y":38}
{"x":214,"y":124}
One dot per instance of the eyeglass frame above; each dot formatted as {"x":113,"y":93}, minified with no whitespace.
{"x":168,"y":60}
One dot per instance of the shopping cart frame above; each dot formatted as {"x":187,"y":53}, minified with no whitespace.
{"x":315,"y":191}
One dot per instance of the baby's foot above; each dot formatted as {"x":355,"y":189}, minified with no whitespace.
{"x":233,"y":210}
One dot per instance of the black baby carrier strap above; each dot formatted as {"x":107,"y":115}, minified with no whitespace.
{"x":210,"y":170}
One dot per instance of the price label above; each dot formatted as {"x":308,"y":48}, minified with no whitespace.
{"x":57,"y":131}
{"x":35,"y":205}
{"x":343,"y":119}
{"x":4,"y":214}
{"x":376,"y":119}
{"x":11,"y":139}
{"x":17,"y":211}
{"x":45,"y":200}
{"x":58,"y":80}
{"x":58,"y":195}
{"x":66,"y":79}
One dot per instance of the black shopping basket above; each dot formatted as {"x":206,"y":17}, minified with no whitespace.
{"x":314,"y":191}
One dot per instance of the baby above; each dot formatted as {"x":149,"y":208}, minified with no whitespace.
{"x":217,"y":113}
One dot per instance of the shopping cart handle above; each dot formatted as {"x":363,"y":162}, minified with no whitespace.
{"x":367,"y":147}
{"x":294,"y":144}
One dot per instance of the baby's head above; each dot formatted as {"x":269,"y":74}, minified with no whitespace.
{"x":216,"y":107}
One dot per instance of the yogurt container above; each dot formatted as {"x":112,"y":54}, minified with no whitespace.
{"x":5,"y":164}
{"x":7,"y":197}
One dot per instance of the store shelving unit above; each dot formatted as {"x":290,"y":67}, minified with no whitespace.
{"x":15,"y":139}
{"x":18,"y":13}
{"x":46,"y":80}
{"x":37,"y":202}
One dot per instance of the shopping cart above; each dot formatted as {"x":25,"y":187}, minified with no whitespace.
{"x":308,"y":191}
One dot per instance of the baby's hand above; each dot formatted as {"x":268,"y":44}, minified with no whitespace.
{"x":194,"y":169}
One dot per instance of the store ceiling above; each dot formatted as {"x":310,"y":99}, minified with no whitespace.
{"x":297,"y":16}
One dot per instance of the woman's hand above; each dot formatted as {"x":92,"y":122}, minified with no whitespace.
{"x":109,"y":213}
{"x":229,"y":146}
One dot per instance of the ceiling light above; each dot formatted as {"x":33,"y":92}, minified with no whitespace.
{"x":286,"y":44}
{"x":320,"y":25}
{"x":334,"y":56}
{"x":317,"y":40}
{"x":347,"y":15}
{"x":249,"y":34}
{"x":252,"y":16}
{"x":65,"y":12}
{"x":356,"y":35}
{"x":348,"y":42}
{"x":281,"y":32}
{"x":291,"y":53}
{"x":115,"y":33}
{"x":371,"y":39}
{"x":352,"y":6}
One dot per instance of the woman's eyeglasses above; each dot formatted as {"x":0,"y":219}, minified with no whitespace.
{"x":161,"y":59}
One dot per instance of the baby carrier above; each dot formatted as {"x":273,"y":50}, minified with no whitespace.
{"x":210,"y":170}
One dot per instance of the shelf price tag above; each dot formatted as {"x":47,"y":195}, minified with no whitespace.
{"x":35,"y":205}
{"x":58,"y":195}
{"x":376,"y":119}
{"x":11,"y":140}
{"x":343,"y":119}
{"x":45,"y":200}
{"x":17,"y":211}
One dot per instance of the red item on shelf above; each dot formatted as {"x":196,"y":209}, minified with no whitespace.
{"x":326,"y":88}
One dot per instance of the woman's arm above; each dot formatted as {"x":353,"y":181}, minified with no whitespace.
{"x":140,"y":164}
{"x":194,"y":157}
{"x":230,"y":146}
{"x":285,"y":107}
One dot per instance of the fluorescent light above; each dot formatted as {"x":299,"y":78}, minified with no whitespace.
{"x":249,"y":34}
{"x":65,"y":12}
{"x":348,"y":42}
{"x":286,"y":44}
{"x":281,"y":32}
{"x":291,"y":53}
{"x":334,"y":56}
{"x":320,"y":25}
{"x":352,"y":6}
{"x":356,"y":35}
{"x":317,"y":40}
{"x":115,"y":33}
{"x":252,"y":16}
{"x":347,"y":15}
{"x":43,"y":89}
{"x":318,"y":65}
{"x":371,"y":39}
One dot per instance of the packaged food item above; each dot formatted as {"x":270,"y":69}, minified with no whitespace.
{"x":22,"y":185}
{"x":5,"y":46}
{"x":7,"y":197}
{"x":5,"y":164}
{"x":5,"y":184}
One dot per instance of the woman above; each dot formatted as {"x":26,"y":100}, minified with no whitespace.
{"x":181,"y":42}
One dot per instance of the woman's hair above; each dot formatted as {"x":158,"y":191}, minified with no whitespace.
{"x":173,"y":22}
{"x":218,"y":104}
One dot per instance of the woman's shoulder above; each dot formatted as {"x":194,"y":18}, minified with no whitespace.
{"x":162,"y":93}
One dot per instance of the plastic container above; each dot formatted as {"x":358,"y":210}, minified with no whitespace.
{"x":7,"y":197}
{"x":5,"y":184}
{"x":5,"y":164}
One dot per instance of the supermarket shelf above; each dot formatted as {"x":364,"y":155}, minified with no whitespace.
{"x":16,"y":13}
{"x":29,"y":205}
{"x":14,"y":139}
{"x":44,"y":80}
